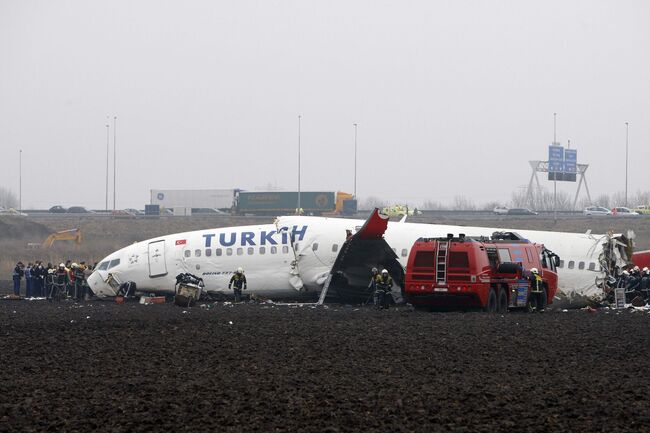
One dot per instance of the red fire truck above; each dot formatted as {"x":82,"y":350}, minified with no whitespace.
{"x":468,"y":272}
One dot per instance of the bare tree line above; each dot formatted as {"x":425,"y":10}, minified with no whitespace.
{"x":542,"y":200}
{"x":7,"y":198}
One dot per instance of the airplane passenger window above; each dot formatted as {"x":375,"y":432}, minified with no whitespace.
{"x":197,"y":253}
{"x":571,"y":264}
{"x":592,"y":266}
{"x":240,"y":251}
{"x":581,"y":265}
{"x":103,"y":266}
{"x":404,"y":252}
{"x":285,"y":249}
{"x":208,"y":252}
{"x":187,"y":253}
{"x":229,"y":251}
{"x":218,"y":251}
{"x":335,"y":248}
{"x":250,"y":250}
{"x":274,"y":250}
{"x":262,"y":250}
{"x":113,"y":263}
{"x":314,"y":247}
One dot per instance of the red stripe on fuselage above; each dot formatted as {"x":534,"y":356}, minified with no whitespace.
{"x":641,"y":259}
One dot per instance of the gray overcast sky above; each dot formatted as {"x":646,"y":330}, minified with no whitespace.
{"x":451,"y":97}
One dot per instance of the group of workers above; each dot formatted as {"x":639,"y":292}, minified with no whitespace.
{"x":636,"y":283}
{"x":67,"y":280}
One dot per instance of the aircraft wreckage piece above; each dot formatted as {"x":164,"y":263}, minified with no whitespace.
{"x":349,"y":278}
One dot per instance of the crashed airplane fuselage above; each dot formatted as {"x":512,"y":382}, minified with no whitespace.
{"x":295,"y":257}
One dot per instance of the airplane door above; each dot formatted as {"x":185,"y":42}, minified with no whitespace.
{"x":157,"y":265}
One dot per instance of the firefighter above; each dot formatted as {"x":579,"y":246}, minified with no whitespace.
{"x":383,"y":286}
{"x":61,"y":281}
{"x":644,"y":287}
{"x":238,"y":283}
{"x":79,"y":281}
{"x":536,"y":302}
{"x":372,"y":285}
{"x":17,"y":274}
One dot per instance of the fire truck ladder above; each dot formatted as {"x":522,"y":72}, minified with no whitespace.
{"x":441,"y":263}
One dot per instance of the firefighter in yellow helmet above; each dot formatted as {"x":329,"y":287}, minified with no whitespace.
{"x":238,"y":283}
{"x":383,"y":287}
{"x":537,"y":300}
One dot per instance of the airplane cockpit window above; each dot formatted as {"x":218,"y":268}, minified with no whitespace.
{"x":274,"y":250}
{"x":581,"y":265}
{"x":197,"y":253}
{"x":187,"y":253}
{"x":250,"y":251}
{"x":314,"y":246}
{"x":394,"y":250}
{"x":335,"y":248}
{"x":103,"y":266}
{"x":229,"y":251}
{"x":218,"y":252}
{"x":285,"y":249}
{"x":571,"y":264}
{"x":561,"y":264}
{"x":208,"y":252}
{"x":592,"y":266}
{"x":240,"y":251}
{"x":404,"y":252}
{"x":262,"y":250}
{"x":113,"y":263}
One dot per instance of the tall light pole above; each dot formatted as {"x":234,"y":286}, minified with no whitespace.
{"x":298,"y":208}
{"x":107,"y":148}
{"x":114,"y":157}
{"x":555,"y":143}
{"x":355,"y":161}
{"x":627,"y":127}
{"x":20,"y":180}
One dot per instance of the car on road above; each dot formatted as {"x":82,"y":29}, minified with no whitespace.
{"x":135,"y":212}
{"x":622,"y":211}
{"x":596,"y":211}
{"x":58,"y":209}
{"x":521,"y":211}
{"x":79,"y":209}
{"x":642,"y":209}
{"x":206,"y":210}
{"x":500,"y":210}
{"x":122,"y":213}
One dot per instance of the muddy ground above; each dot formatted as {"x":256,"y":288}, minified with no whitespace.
{"x":120,"y":368}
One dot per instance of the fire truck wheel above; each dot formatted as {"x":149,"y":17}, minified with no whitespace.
{"x":502,"y":305}
{"x":491,"y":306}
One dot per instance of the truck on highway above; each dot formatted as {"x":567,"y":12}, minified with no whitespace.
{"x":286,"y":202}
{"x":476,"y":272}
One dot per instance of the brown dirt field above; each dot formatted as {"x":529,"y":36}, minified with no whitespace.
{"x":260,"y":368}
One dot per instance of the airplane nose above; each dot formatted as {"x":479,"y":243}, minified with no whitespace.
{"x":99,"y":287}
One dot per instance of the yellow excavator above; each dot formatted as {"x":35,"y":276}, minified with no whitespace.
{"x":65,"y":235}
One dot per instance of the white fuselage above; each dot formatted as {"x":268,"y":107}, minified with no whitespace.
{"x":276,"y":267}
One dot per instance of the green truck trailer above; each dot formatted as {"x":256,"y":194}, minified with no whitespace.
{"x":286,"y":202}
